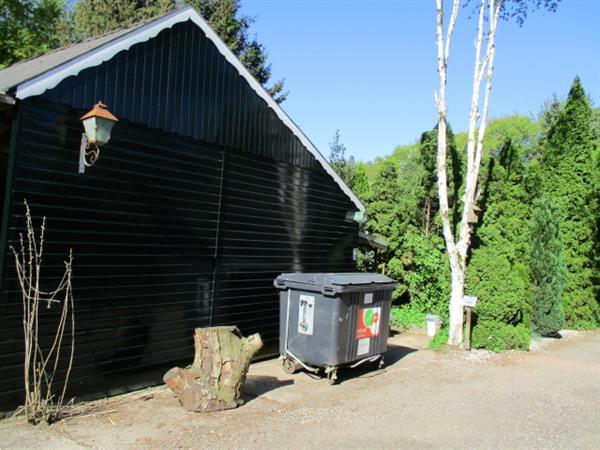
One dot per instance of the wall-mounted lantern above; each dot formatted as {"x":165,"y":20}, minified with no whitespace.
{"x":97,"y":123}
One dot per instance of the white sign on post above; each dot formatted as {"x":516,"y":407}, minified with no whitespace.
{"x":469,"y":301}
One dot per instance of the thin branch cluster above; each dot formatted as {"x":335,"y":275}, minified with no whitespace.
{"x":41,"y":363}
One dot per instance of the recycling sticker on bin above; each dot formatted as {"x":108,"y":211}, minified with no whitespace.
{"x":368,"y":322}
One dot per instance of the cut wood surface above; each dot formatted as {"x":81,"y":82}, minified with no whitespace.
{"x":215,"y":380}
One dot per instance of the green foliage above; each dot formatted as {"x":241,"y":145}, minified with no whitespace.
{"x":502,"y":288}
{"x":497,"y":274}
{"x":361,"y":187}
{"x":595,"y":123}
{"x":439,"y":340}
{"x":407,"y":316}
{"x":344,"y":166}
{"x":393,"y":213}
{"x":95,"y":17}
{"x":224,"y":18}
{"x":426,"y":274}
{"x":498,"y":336}
{"x":596,"y":251}
{"x":382,"y":210}
{"x":549,"y":114}
{"x":520,"y":130}
{"x":383,"y":219}
{"x":523,"y":161}
{"x":428,"y":160}
{"x":398,"y":201}
{"x":547,"y":269}
{"x":568,"y":177}
{"x":29,"y":28}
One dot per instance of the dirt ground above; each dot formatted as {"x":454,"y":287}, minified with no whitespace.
{"x":546,"y":398}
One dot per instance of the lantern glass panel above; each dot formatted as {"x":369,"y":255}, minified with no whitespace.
{"x":98,"y":129}
{"x":89,"y":125}
{"x":103,"y":129}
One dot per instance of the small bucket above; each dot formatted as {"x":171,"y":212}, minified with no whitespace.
{"x":433,"y":324}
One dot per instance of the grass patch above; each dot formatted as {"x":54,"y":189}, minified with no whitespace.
{"x":440,"y":339}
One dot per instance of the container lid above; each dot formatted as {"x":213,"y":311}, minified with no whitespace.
{"x":334,"y":283}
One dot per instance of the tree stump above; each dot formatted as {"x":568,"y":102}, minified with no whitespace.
{"x":215,"y":380}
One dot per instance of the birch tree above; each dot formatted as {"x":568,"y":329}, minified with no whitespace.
{"x":458,"y":236}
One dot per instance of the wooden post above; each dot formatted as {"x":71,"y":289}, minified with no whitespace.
{"x":468,"y":301}
{"x":468,"y":331}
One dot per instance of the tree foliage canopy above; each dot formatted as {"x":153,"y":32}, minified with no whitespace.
{"x":497,"y":271}
{"x":342,"y":164}
{"x":569,"y":178}
{"x":515,"y":266}
{"x":29,"y":28}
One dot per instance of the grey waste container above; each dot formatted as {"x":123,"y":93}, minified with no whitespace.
{"x":328,"y":320}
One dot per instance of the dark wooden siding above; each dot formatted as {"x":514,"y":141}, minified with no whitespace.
{"x":201,"y":198}
{"x":142,"y":226}
{"x":276,"y":218}
{"x":180,"y":83}
{"x":167,"y":236}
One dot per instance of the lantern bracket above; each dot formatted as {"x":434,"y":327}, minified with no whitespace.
{"x":87,"y":158}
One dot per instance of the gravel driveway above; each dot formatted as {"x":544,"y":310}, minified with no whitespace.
{"x":546,"y":398}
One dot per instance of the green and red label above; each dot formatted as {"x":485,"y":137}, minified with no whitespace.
{"x":368,"y":322}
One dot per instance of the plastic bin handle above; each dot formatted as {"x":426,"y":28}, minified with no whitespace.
{"x":328,"y":290}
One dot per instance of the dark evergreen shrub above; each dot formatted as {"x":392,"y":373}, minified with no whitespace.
{"x":547,"y":269}
{"x":568,"y":177}
{"x":498,"y":337}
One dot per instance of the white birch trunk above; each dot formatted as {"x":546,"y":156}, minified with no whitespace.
{"x":458,"y":250}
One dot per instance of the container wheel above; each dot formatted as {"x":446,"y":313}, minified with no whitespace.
{"x":290,"y":366}
{"x":332,"y":377}
{"x":381,"y":362}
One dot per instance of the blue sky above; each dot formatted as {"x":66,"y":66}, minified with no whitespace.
{"x":368,"y":68}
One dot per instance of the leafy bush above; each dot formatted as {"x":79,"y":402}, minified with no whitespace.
{"x":440,"y":339}
{"x":426,"y":274}
{"x":406,"y":316}
{"x":498,"y":337}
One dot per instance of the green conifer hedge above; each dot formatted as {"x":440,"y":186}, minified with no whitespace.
{"x":547,"y":269}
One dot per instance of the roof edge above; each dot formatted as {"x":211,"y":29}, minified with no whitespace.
{"x":372,"y":241}
{"x":49,"y":79}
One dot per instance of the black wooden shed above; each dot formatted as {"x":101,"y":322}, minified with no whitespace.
{"x":206,"y":192}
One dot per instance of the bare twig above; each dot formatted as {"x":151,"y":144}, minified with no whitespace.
{"x":41,"y":364}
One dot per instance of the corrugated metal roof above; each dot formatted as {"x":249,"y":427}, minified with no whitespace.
{"x":35,"y":76}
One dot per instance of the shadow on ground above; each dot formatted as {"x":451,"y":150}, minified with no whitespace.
{"x":257,"y":385}
{"x":370,"y":369}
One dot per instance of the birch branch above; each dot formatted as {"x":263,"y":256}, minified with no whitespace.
{"x":450,"y":31}
{"x":491,"y":53}
{"x":443,"y":54}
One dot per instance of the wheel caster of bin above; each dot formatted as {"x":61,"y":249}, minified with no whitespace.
{"x":381,"y":363}
{"x":290,"y":366}
{"x":332,"y":377}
